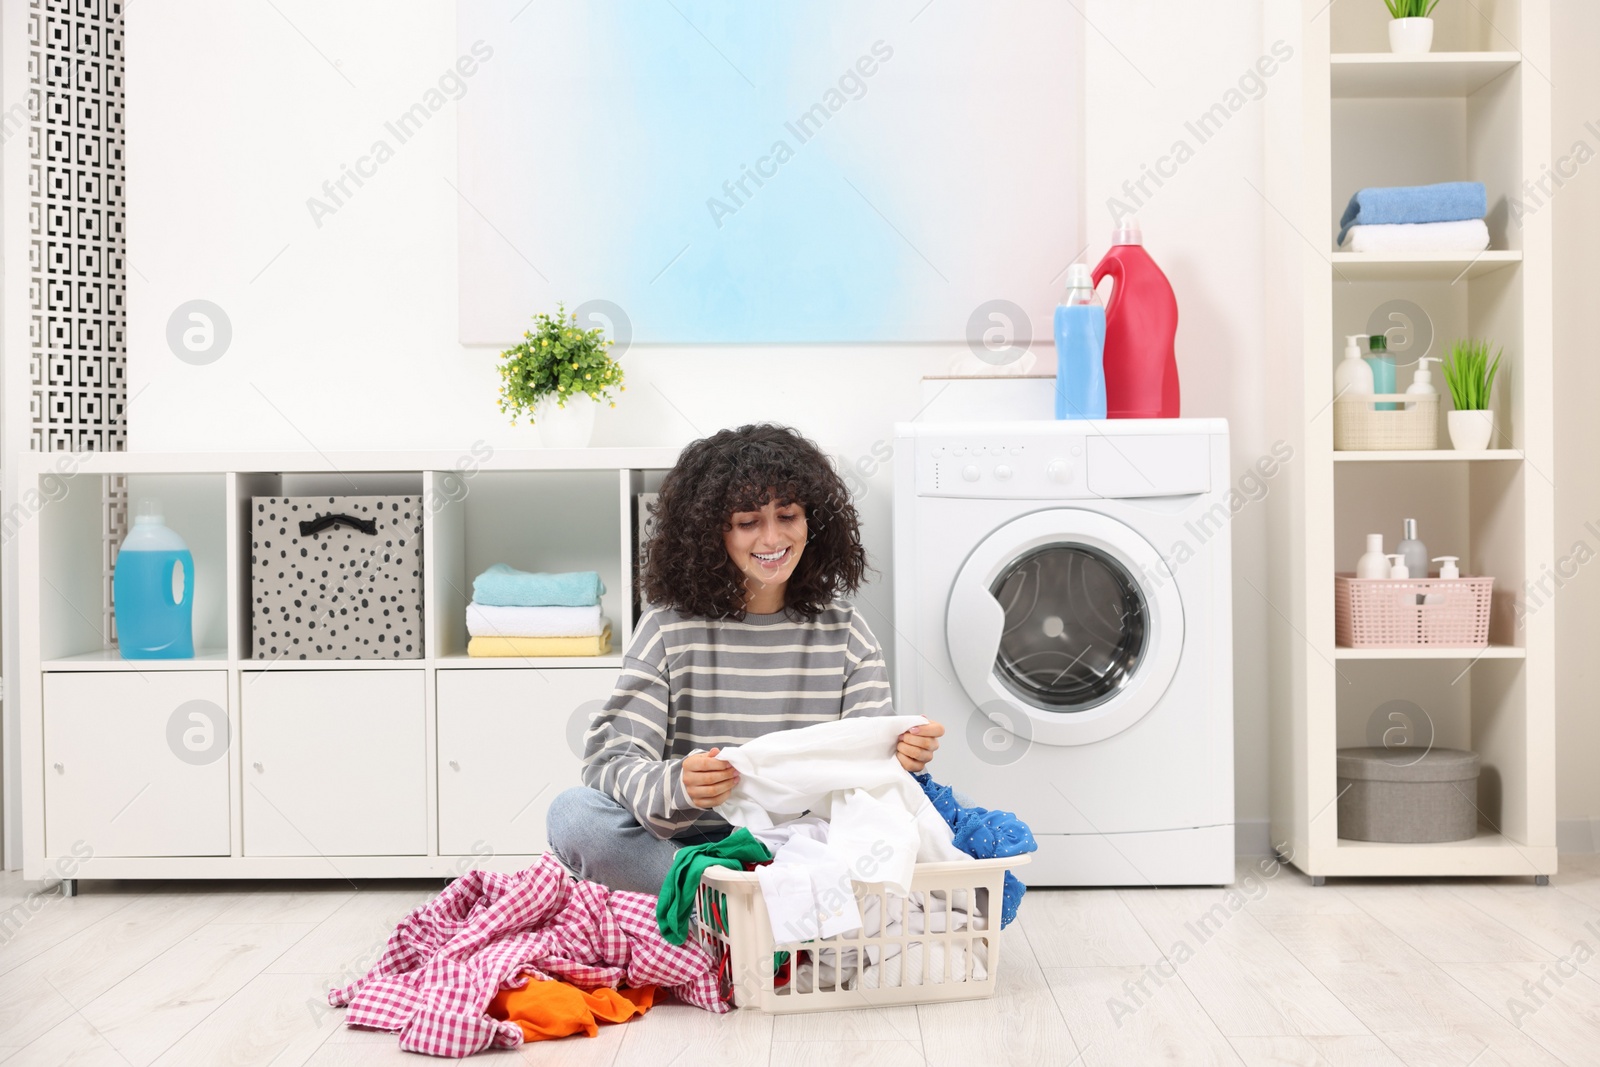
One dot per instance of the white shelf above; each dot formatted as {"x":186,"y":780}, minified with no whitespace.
{"x":1489,"y":652}
{"x":1435,"y":455}
{"x":612,"y":661}
{"x":110,"y":659}
{"x":1383,"y":74}
{"x":1485,"y":855}
{"x":1431,"y":266}
{"x":486,"y":459}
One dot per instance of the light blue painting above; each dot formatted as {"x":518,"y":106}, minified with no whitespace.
{"x":778,"y":172}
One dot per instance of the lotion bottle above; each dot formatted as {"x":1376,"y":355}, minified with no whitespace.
{"x":1447,"y":567}
{"x":1397,"y":566}
{"x":1374,"y":564}
{"x":1422,"y":379}
{"x":1415,"y":552}
{"x":1352,"y":377}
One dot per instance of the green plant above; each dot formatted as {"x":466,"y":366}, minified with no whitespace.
{"x":1410,"y":9}
{"x":1470,"y":374}
{"x":556,"y":360}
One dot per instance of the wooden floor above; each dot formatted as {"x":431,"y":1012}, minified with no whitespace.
{"x":1483,"y":972}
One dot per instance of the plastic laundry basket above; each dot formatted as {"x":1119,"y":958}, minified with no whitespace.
{"x":955,"y":955}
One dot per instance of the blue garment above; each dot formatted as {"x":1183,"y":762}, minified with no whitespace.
{"x":984,"y":834}
{"x":505,"y":586}
{"x":1445,"y":202}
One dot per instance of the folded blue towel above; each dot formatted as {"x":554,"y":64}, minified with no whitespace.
{"x":505,"y":586}
{"x":984,"y":834}
{"x":1445,"y":202}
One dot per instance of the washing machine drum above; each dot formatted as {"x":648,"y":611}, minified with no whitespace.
{"x":1065,"y":626}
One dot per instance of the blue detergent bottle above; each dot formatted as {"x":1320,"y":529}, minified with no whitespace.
{"x":152,"y":590}
{"x":1080,"y":348}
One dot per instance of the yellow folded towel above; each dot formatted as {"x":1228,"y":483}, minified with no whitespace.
{"x":531,"y":647}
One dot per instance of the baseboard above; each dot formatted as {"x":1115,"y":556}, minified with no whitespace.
{"x":1578,"y":835}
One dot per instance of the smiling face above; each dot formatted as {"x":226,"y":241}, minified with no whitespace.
{"x":766,"y":545}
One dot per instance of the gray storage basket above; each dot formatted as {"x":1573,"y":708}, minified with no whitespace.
{"x":323,"y":590}
{"x":1408,"y":795}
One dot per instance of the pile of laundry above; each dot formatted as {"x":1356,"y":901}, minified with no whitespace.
{"x":497,"y":960}
{"x":1416,"y":219}
{"x":517,"y":613}
{"x":830,"y":806}
{"x":509,"y":940}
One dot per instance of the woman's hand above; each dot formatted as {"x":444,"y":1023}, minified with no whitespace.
{"x":708,"y":780}
{"x":917,"y":745}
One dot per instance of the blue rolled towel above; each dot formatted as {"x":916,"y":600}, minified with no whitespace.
{"x":1444,"y":202}
{"x":505,"y":586}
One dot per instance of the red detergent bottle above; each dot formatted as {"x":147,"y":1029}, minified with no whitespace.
{"x":1141,"y":365}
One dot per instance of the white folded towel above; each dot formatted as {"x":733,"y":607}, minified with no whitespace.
{"x":1470,"y":235}
{"x":490,"y":620}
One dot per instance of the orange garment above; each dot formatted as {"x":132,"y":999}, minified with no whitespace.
{"x":555,"y":1009}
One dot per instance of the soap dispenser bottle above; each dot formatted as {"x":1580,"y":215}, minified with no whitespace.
{"x":1422,"y":379}
{"x":1414,"y":551}
{"x":152,"y":589}
{"x":1374,"y":564}
{"x":1352,"y":377}
{"x":1448,"y":570}
{"x":1382,"y":364}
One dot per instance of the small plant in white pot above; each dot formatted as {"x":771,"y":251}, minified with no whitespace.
{"x":1470,"y":374}
{"x":556,"y":376}
{"x":1411,"y":31}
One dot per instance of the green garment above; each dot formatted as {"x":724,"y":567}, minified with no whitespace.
{"x":676,"y":903}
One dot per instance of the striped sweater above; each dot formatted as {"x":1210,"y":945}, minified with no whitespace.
{"x":690,"y":684}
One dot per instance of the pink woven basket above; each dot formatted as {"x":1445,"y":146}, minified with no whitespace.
{"x":1411,"y":612}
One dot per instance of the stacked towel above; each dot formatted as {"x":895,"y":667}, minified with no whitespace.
{"x":514,"y":613}
{"x":1447,"y":217}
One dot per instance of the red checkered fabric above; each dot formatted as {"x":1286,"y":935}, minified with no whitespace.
{"x":447,"y":959}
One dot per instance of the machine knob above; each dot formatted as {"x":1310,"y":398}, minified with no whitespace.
{"x":971,"y":472}
{"x":1059,"y":470}
{"x":1003,"y":472}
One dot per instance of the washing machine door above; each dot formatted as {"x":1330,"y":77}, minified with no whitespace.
{"x":1070,"y":620}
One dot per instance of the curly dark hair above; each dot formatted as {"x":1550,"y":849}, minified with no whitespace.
{"x":686,"y":565}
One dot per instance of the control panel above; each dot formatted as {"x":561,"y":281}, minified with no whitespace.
{"x":1004,"y":467}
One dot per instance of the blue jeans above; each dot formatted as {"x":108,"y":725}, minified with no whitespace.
{"x":599,"y":840}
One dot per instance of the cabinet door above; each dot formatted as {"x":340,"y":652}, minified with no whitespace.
{"x":135,"y":763}
{"x":508,"y":743}
{"x":335,"y":763}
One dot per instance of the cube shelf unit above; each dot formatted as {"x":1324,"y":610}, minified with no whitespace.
{"x":326,"y":768}
{"x":1477,"y":108}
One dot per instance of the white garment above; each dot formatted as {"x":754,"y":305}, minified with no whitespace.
{"x":808,"y":892}
{"x":881,"y":824}
{"x":827,"y":968}
{"x":1470,"y":235}
{"x":491,"y":620}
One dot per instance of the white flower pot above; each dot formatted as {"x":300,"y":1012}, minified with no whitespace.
{"x":566,"y":427}
{"x":1410,"y":36}
{"x":1470,"y":431}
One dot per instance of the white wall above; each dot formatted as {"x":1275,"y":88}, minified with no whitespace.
{"x":1576,"y":31}
{"x":225,"y":145}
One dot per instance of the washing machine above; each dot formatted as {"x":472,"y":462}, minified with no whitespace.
{"x":1063,"y":608}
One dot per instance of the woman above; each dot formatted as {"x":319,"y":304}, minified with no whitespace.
{"x":755,"y":540}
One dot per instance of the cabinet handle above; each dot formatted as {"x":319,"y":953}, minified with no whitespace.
{"x":60,"y":769}
{"x":257,"y":766}
{"x":454,"y":766}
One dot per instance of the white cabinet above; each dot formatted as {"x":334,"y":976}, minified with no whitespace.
{"x":135,"y":763}
{"x":335,"y":763}
{"x":509,"y":741}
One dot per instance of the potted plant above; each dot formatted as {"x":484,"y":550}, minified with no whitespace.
{"x":1470,"y":375}
{"x":1411,"y":32}
{"x":556,"y":376}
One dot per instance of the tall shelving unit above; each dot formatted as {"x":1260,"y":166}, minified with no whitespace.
{"x":1476,"y":108}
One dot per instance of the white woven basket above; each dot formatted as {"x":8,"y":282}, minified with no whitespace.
{"x":957,"y":959}
{"x":1359,"y":426}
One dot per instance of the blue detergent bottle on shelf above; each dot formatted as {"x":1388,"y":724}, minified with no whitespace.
{"x":1080,"y":348}
{"x":152,"y":590}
